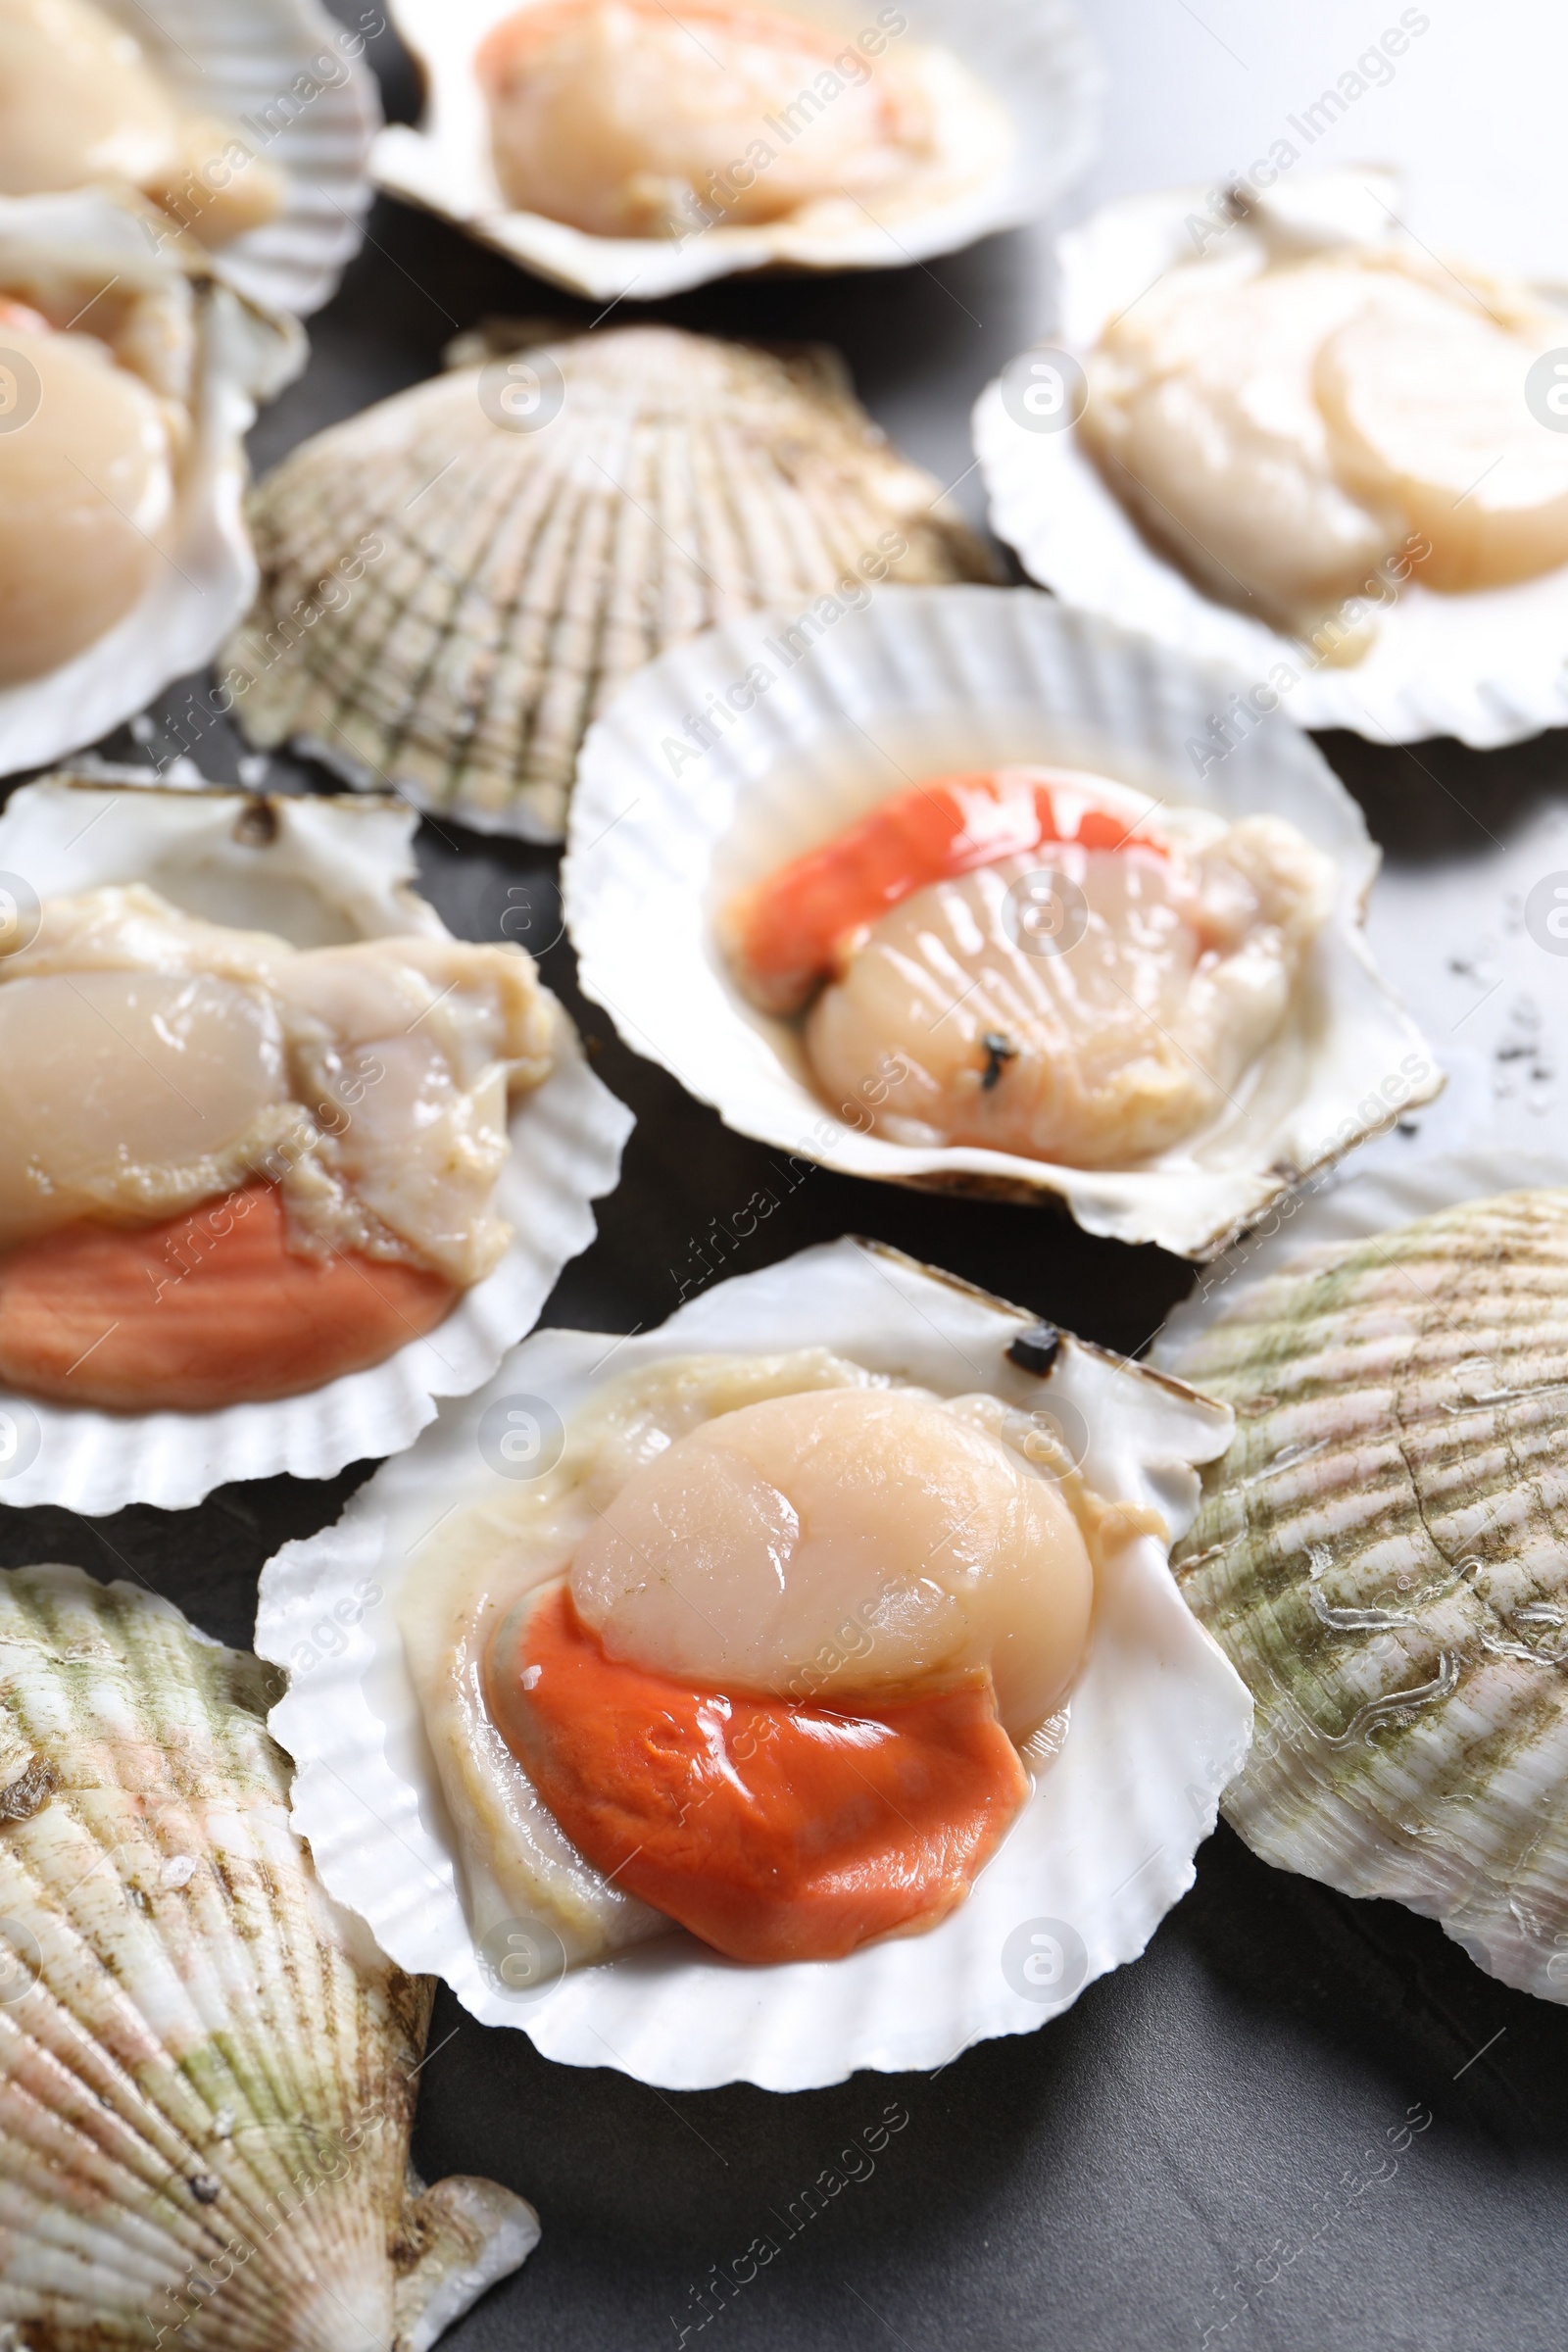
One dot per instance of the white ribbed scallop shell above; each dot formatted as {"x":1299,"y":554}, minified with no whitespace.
{"x":1157,"y":1721}
{"x":919,"y":683}
{"x":318,"y":871}
{"x":1486,"y":667}
{"x":294,"y":83}
{"x":1033,"y":60}
{"x":207,"y":577}
{"x":1383,"y":1553}
{"x":519,"y":577}
{"x":206,"y":2068}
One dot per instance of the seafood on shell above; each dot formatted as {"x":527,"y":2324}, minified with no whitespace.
{"x":249,"y":126}
{"x":1381,"y":1552}
{"x":580,"y":1447}
{"x":128,"y":376}
{"x":456,"y":582}
{"x":207,"y":2069}
{"x":620,"y":148}
{"x":285,"y":1160}
{"x":1137,"y":989}
{"x":1275,"y":429}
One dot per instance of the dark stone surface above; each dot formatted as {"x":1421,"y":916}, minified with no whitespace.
{"x":1206,"y":2149}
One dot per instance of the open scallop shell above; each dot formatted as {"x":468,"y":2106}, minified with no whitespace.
{"x":1157,"y":1722}
{"x":209,"y":576}
{"x":1033,"y":57}
{"x":1486,"y":667}
{"x":539,"y":526}
{"x":209,"y":2071}
{"x":316,"y":871}
{"x":1381,"y":1552}
{"x":294,"y":83}
{"x":918,"y":682}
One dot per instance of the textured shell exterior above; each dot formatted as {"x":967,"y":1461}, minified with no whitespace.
{"x":244,"y":356}
{"x":295,"y":85}
{"x":318,"y":871}
{"x":1157,"y":1721}
{"x":1382,"y":1552}
{"x":920,"y":681}
{"x":497,"y":585}
{"x":1032,"y":57}
{"x":206,"y":2068}
{"x":1486,"y":666}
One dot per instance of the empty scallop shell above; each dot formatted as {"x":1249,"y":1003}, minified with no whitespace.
{"x":1486,"y":666}
{"x":206,"y":2068}
{"x":295,"y":86}
{"x":919,"y":683}
{"x":1157,"y":1722}
{"x":508,"y":543}
{"x":1012,"y":146}
{"x":234,"y":356}
{"x":319,"y":872}
{"x":1382,"y":1552}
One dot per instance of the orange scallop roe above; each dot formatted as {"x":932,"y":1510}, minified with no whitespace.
{"x":205,"y":1309}
{"x":774,"y":1830}
{"x":797,"y":927}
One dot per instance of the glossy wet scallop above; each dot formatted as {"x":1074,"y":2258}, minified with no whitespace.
{"x":1286,"y":432}
{"x":82,"y":105}
{"x":149,"y":1060}
{"x":740,"y":1556}
{"x":627,"y":120}
{"x":87,"y":493}
{"x":1382,"y":1553}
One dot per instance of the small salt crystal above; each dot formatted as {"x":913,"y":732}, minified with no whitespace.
{"x":178,"y":1871}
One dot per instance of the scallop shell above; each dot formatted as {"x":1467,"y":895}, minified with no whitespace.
{"x":1486,"y":667}
{"x":294,"y":83}
{"x":922,"y":682}
{"x":1382,"y":1552}
{"x":1157,"y":1722}
{"x":318,"y":871}
{"x":519,"y":573}
{"x":1032,"y":58}
{"x":207,"y":2071}
{"x":242,"y":356}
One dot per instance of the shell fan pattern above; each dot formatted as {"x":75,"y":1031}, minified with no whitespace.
{"x":207,"y":2071}
{"x":1383,"y":1553}
{"x":456,"y":583}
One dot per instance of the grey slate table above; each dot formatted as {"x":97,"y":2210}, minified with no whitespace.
{"x":1298,"y":2122}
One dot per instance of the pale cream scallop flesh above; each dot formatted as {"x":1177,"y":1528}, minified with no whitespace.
{"x":626,"y":118}
{"x":1290,"y":430}
{"x":81,"y":106}
{"x":89,"y":491}
{"x":150,"y":1061}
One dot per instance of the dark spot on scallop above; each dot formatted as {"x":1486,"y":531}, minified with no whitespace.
{"x":999,"y":1050}
{"x":257,"y":825}
{"x":30,"y":1792}
{"x":205,"y":2189}
{"x":1036,"y":1349}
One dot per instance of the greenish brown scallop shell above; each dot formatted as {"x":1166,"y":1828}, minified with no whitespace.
{"x":1383,"y":1554}
{"x":207,"y":2072}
